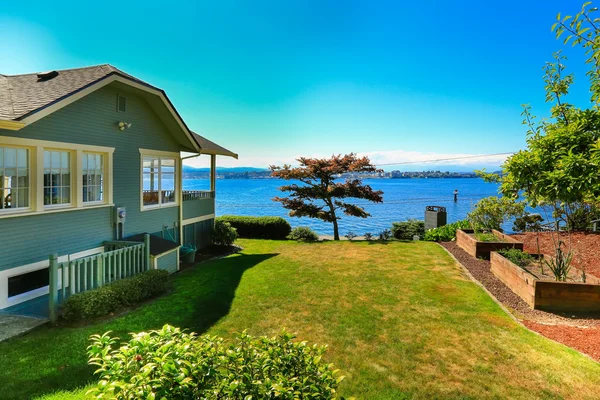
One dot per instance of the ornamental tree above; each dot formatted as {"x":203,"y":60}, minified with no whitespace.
{"x":318,"y":195}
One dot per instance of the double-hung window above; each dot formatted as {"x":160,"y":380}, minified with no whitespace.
{"x":92,"y":169}
{"x":14,"y":178}
{"x":159,"y":178}
{"x":57,"y":177}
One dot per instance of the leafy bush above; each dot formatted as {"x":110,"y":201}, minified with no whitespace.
{"x":517,"y":256}
{"x":445,"y":233}
{"x":528,"y":223}
{"x":491,"y":212}
{"x":407,"y":229}
{"x":368,"y":236}
{"x":304,"y":234}
{"x":109,"y":298}
{"x":223,"y":233}
{"x":172,"y":364}
{"x":259,"y":227}
{"x":385,"y":235}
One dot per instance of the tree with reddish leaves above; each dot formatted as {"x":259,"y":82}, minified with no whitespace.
{"x":319,"y":195}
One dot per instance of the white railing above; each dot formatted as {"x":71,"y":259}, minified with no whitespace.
{"x":198,"y":194}
{"x":121,"y":259}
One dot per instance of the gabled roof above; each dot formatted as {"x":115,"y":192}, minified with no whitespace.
{"x":24,"y":97}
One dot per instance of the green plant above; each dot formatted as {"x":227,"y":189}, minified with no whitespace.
{"x":304,"y":234}
{"x":368,"y":236}
{"x":517,"y":256}
{"x":486,"y":237}
{"x":350,"y":235}
{"x":258,"y":227}
{"x":560,"y":265}
{"x":109,"y":298}
{"x":445,"y":233}
{"x":407,"y":229}
{"x":223,"y":233}
{"x":491,"y":212}
{"x":170,"y":363}
{"x":385,"y":235}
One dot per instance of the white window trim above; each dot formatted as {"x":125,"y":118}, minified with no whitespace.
{"x":164,"y":154}
{"x":11,"y":211}
{"x":36,"y":176}
{"x":6,"y":301}
{"x":104,"y":177}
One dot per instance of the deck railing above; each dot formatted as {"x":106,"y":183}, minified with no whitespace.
{"x":198,"y":194}
{"x":121,"y":259}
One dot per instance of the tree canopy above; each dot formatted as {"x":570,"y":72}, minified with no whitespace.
{"x":319,"y":196}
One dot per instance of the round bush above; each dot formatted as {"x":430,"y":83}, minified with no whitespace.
{"x":224,"y":234}
{"x":304,"y":234}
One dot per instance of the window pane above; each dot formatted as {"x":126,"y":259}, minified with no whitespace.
{"x":14,"y":178}
{"x":93,"y":177}
{"x":57,"y":177}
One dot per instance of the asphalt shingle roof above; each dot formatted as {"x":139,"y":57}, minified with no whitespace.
{"x":21,"y":95}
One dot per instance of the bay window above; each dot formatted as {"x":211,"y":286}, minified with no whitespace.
{"x":158,"y":181}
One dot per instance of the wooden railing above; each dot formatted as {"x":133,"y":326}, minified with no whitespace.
{"x":121,"y":259}
{"x":198,"y":194}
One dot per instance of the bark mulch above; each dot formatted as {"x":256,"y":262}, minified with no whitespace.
{"x":579,"y":332}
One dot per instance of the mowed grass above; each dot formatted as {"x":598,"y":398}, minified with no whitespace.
{"x":400,"y":320}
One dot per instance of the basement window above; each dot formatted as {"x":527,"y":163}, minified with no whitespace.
{"x":27,"y":282}
{"x":121,"y":103}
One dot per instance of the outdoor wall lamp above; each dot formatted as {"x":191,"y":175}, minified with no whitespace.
{"x":124,"y":125}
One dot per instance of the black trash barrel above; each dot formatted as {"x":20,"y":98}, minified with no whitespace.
{"x":435,"y":216}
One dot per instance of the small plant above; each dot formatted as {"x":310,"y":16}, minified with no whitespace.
{"x":445,"y":233}
{"x":172,"y":364}
{"x":350,"y":235}
{"x":406,"y":230}
{"x":303,"y":234}
{"x":224,"y":234}
{"x":561,"y":264}
{"x":517,"y":256}
{"x":368,"y":236}
{"x":486,"y":237}
{"x":385,"y":235}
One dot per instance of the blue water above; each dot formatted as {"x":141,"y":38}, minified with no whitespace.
{"x":402,"y":199}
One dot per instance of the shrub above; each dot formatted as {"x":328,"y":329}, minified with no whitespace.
{"x":491,"y":212}
{"x":445,"y":233}
{"x":259,"y":227}
{"x":223,"y":233}
{"x":407,"y":229}
{"x":385,"y":235}
{"x":350,"y":235}
{"x":172,"y":364}
{"x":303,"y":233}
{"x":109,"y":298}
{"x":368,"y":236}
{"x":517,"y":256}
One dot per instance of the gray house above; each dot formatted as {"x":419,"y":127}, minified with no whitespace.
{"x":90,"y":156}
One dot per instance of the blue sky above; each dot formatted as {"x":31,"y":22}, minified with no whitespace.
{"x":273,"y":80}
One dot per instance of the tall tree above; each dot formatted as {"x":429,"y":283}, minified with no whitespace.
{"x":319,"y":195}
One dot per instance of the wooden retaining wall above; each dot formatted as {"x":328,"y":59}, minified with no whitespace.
{"x":516,"y":278}
{"x":483,"y":249}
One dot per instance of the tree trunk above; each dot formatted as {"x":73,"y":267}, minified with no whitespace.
{"x":336,"y":234}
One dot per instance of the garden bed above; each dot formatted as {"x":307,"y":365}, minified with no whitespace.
{"x":542,"y":292}
{"x":585,"y":246}
{"x":467,"y":240}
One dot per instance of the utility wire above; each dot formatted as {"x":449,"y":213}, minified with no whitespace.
{"x":447,"y":159}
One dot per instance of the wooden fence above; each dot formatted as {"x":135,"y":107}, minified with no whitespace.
{"x":121,"y":259}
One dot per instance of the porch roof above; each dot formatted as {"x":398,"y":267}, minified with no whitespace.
{"x":210,"y":147}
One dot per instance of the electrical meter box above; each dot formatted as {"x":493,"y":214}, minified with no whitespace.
{"x":120,"y":214}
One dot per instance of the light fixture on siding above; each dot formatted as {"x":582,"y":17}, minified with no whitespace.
{"x":124,"y":125}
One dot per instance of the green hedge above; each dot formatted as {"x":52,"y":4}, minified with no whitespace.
{"x":446,"y":233}
{"x":109,"y":298}
{"x":259,"y":227}
{"x":405,"y":230}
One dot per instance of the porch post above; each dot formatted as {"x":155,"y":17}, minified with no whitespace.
{"x":147,"y":251}
{"x":213,"y":172}
{"x":53,"y":290}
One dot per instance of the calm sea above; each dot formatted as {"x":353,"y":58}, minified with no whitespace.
{"x":402,"y":199}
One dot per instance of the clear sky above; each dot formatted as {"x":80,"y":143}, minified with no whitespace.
{"x":273,"y":80}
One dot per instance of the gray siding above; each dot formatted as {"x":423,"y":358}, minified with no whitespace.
{"x":92,"y":121}
{"x":168,"y":262}
{"x":194,"y":208}
{"x":198,"y":234}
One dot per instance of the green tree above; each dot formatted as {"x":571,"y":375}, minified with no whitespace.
{"x":319,"y":195}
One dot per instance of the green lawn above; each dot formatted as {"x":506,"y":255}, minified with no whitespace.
{"x":400,"y":319}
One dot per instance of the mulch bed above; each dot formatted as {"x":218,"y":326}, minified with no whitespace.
{"x":579,"y":332}
{"x":585,"y":246}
